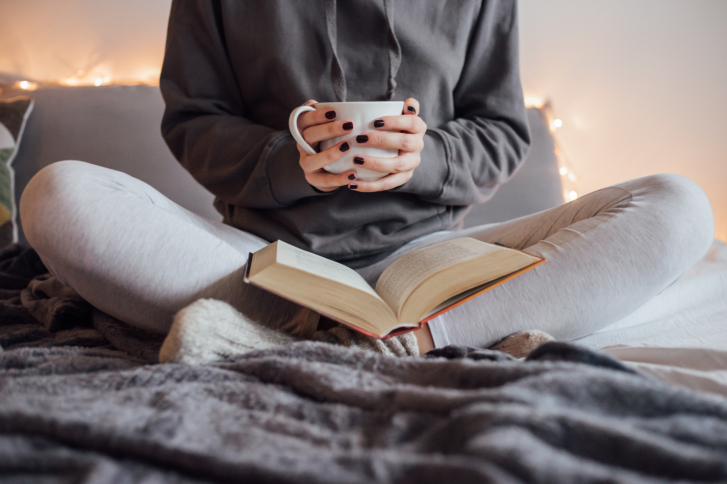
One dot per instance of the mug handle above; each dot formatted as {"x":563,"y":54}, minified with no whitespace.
{"x":293,"y":126}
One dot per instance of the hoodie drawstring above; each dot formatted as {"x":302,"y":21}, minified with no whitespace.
{"x":338,"y":78}
{"x":394,"y":50}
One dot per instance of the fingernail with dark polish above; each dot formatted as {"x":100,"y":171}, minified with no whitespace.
{"x":348,"y":126}
{"x":345,"y":146}
{"x":358,"y":160}
{"x":330,"y":114}
{"x":353,"y":187}
{"x":378,"y":123}
{"x":362,"y":138}
{"x":351,"y":176}
{"x":411,"y":108}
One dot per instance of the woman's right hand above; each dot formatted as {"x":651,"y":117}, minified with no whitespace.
{"x":317,"y":126}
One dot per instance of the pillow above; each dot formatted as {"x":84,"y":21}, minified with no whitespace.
{"x":13,"y":116}
{"x":535,"y":186}
{"x":112,"y":126}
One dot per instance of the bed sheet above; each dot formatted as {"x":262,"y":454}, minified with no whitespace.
{"x":680,"y":336}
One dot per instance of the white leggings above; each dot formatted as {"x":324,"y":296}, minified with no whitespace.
{"x":136,"y":255}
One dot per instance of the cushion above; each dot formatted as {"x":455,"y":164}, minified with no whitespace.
{"x":535,"y":186}
{"x":117,"y":127}
{"x":13,"y":117}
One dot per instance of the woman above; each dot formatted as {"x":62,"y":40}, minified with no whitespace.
{"x":232,"y":73}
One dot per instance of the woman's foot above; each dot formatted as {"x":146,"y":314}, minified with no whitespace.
{"x":211,"y":331}
{"x":522,"y":343}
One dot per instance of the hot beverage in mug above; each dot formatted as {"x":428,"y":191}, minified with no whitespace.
{"x":362,"y":114}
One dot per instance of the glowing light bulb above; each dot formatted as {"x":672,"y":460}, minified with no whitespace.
{"x":27,"y":85}
{"x":98,"y":81}
{"x":571,"y":177}
{"x":572,"y":195}
{"x":563,"y":170}
{"x":533,"y":102}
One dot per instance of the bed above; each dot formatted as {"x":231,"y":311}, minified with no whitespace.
{"x":82,"y":398}
{"x":680,"y":336}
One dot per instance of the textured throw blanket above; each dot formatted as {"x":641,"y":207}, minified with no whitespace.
{"x":85,"y":403}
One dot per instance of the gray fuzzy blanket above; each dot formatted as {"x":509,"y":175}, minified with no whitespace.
{"x":85,"y":403}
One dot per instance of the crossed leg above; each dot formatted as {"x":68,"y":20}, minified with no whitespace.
{"x":608,"y":253}
{"x":136,"y":255}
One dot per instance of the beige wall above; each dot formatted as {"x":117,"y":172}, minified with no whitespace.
{"x":641,"y":85}
{"x":53,"y":39}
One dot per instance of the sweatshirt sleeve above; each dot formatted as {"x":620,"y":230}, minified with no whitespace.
{"x":466,"y":159}
{"x":204,"y":123}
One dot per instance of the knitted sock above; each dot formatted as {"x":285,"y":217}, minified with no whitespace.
{"x":402,"y":345}
{"x":521,"y":344}
{"x":210,"y":331}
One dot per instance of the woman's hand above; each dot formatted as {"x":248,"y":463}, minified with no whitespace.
{"x":317,"y":126}
{"x":409,"y":141}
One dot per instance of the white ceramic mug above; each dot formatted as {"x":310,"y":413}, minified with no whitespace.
{"x":362,"y":114}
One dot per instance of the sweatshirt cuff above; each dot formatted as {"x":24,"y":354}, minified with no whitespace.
{"x":429,"y":177}
{"x":286,"y":177}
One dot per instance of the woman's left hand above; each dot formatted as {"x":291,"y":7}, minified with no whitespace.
{"x":409,"y":141}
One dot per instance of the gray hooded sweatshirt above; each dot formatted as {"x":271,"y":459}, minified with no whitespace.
{"x":234,"y":69}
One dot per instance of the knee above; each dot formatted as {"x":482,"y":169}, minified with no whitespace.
{"x":683,"y":212}
{"x":49,"y":197}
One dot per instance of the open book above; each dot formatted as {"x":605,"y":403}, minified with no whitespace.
{"x":415,"y":288}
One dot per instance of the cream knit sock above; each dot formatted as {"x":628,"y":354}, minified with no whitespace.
{"x":402,"y":345}
{"x":209,"y":331}
{"x":521,"y":344}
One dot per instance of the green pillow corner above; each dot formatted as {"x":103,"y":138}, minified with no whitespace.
{"x":14,"y":115}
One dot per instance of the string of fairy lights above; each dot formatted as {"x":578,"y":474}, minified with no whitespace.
{"x":82,"y":79}
{"x":568,"y":178}
{"x":569,"y":181}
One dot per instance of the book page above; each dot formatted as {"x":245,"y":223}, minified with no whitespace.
{"x":320,"y":266}
{"x":460,"y":296}
{"x":405,"y":274}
